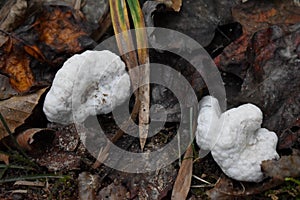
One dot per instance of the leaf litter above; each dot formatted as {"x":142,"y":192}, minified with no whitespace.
{"x":261,"y":46}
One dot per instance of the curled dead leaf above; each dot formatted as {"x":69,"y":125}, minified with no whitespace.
{"x":4,"y":158}
{"x":17,"y":109}
{"x":286,"y":166}
{"x":35,"y":137}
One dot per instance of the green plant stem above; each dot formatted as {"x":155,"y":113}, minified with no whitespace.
{"x":34,"y":177}
{"x":292,"y":180}
{"x":16,"y":167}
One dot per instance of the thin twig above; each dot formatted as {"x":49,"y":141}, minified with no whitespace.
{"x":202,"y":180}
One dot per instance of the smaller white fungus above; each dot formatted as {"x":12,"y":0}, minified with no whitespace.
{"x":235,"y":138}
{"x":91,"y":83}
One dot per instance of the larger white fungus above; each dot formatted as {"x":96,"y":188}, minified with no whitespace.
{"x":91,"y":83}
{"x":235,"y":138}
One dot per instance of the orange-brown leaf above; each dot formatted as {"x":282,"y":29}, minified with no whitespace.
{"x":19,"y":72}
{"x":56,"y":29}
{"x":4,"y":158}
{"x":27,"y":138}
{"x":35,"y":52}
{"x":256,"y":15}
{"x":16,"y":65}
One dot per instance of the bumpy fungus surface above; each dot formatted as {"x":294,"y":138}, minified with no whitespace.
{"x":91,"y":83}
{"x":235,"y":138}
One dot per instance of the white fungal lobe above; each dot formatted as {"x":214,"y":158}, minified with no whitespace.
{"x":237,"y":142}
{"x":91,"y":83}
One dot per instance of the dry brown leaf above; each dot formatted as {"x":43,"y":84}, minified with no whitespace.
{"x":226,"y":188}
{"x":27,"y":139}
{"x":34,"y":52}
{"x":286,"y":166}
{"x":6,"y":90}
{"x":16,"y":65}
{"x":278,"y":170}
{"x":183,"y":181}
{"x":255,"y":15}
{"x":17,"y":109}
{"x":223,"y":190}
{"x":12,"y":13}
{"x":4,"y":158}
{"x":56,"y":28}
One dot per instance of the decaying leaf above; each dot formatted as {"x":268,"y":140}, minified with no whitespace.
{"x":4,"y":158}
{"x":289,"y":137}
{"x":223,"y":190}
{"x":227,"y":189}
{"x":12,"y":13}
{"x":17,"y":109}
{"x":273,"y":80}
{"x":36,"y":50}
{"x":16,"y":64}
{"x":35,"y":137}
{"x":183,"y":181}
{"x":278,"y":170}
{"x":87,"y":186}
{"x":286,"y":166}
{"x":6,"y":90}
{"x":255,"y":15}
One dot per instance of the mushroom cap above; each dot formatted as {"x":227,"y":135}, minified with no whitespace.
{"x":241,"y":143}
{"x":91,"y":83}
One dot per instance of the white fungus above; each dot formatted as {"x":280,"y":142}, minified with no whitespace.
{"x":235,"y":138}
{"x":91,"y":83}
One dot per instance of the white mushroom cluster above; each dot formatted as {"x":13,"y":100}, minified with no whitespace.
{"x":235,"y":138}
{"x":91,"y":83}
